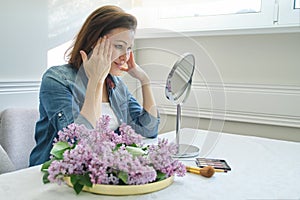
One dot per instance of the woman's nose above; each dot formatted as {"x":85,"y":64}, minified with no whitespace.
{"x":124,"y":57}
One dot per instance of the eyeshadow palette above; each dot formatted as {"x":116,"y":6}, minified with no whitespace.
{"x":216,"y":163}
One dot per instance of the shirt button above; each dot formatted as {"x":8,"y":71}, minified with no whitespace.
{"x":59,"y":114}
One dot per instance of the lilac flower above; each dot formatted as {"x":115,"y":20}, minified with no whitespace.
{"x":160,"y":156}
{"x":71,"y":133}
{"x":98,"y":170}
{"x":102,"y":124}
{"x":56,"y":172}
{"x":129,"y":136}
{"x":108,"y":158}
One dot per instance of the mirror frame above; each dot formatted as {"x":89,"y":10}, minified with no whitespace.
{"x":187,"y":87}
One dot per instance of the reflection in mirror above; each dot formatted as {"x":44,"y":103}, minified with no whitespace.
{"x":180,"y":79}
{"x":177,"y":90}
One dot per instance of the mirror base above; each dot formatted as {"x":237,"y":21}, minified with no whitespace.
{"x":186,"y":151}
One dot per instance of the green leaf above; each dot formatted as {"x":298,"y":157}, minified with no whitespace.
{"x":79,"y":181}
{"x":123,"y":176}
{"x":85,"y":179}
{"x":117,"y":147}
{"x":60,"y":145}
{"x":133,"y":145}
{"x":77,"y":187}
{"x":45,"y":178}
{"x":160,"y":176}
{"x":59,"y":148}
{"x":74,"y":178}
{"x":46,"y":165}
{"x":135,"y":151}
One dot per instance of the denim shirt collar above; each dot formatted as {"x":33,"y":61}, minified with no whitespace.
{"x":110,"y":81}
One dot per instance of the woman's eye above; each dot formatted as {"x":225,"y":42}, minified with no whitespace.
{"x":118,"y":46}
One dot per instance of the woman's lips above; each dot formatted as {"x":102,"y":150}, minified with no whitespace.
{"x":121,"y":66}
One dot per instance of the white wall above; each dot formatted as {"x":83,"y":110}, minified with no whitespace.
{"x":249,"y":84}
{"x":246,"y":84}
{"x":23,"y":53}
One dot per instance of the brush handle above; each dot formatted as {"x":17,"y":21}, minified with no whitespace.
{"x":199,"y":169}
{"x":207,"y":171}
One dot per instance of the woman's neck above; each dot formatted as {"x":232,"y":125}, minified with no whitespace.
{"x":105,"y":94}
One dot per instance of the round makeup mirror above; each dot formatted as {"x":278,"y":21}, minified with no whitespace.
{"x":177,"y":90}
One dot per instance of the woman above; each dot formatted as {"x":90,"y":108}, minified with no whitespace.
{"x":88,"y":86}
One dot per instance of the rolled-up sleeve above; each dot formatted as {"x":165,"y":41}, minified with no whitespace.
{"x":147,"y":125}
{"x":143,"y":122}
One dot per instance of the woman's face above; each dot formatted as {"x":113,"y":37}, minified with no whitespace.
{"x":122,"y":41}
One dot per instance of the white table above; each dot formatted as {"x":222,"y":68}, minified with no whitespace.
{"x":261,"y":169}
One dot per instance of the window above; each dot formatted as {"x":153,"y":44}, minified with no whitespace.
{"x":157,"y":17}
{"x":289,"y":13}
{"x":297,"y":4}
{"x":208,"y":8}
{"x":65,"y":18}
{"x":214,"y":15}
{"x":202,"y":15}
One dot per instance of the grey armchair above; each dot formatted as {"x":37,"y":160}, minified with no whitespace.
{"x":5,"y":162}
{"x":17,"y":127}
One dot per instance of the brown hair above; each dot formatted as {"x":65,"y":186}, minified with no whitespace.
{"x":98,"y":24}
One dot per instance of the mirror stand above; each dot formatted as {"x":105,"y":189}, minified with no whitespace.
{"x":183,"y":150}
{"x":177,"y":90}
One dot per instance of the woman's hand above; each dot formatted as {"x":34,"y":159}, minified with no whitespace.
{"x":98,"y":65}
{"x":136,"y":71}
{"x":148,"y":99}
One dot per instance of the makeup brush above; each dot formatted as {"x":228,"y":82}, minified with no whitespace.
{"x":207,"y":171}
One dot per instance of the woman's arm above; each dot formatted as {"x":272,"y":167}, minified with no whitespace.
{"x":148,"y":99}
{"x":96,"y":68}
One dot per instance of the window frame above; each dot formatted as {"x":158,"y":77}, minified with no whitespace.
{"x":275,"y":16}
{"x":288,"y":16}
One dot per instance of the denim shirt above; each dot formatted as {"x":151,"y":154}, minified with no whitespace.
{"x":62,"y":95}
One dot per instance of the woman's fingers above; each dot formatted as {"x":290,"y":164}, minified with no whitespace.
{"x":97,"y":47}
{"x":98,"y":62}
{"x":124,"y":68}
{"x":131,"y":56}
{"x":83,"y":56}
{"x":103,"y":47}
{"x":106,"y":46}
{"x":109,"y":51}
{"x":131,"y":62}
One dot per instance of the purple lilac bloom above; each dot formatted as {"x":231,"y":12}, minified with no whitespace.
{"x":161,"y":158}
{"x":98,"y":168}
{"x":137,"y":173}
{"x":102,"y":124}
{"x":71,"y":133}
{"x":56,"y":171}
{"x":95,"y":153}
{"x":129,"y":136}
